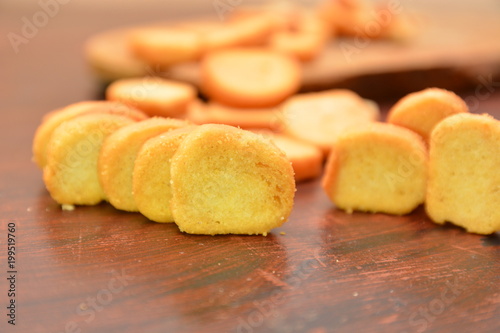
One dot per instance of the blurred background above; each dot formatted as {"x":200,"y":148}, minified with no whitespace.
{"x":456,"y":46}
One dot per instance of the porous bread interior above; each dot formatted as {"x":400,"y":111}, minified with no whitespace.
{"x":118,"y":154}
{"x":464,"y":177}
{"x":151,"y":177}
{"x":421,"y":111}
{"x":377,"y":168}
{"x":70,"y":174}
{"x":226,"y":180}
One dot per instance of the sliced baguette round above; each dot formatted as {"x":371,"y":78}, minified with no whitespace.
{"x":118,"y":154}
{"x":464,"y":177}
{"x":215,"y":113}
{"x":151,"y":177}
{"x":227,"y":180}
{"x":249,"y":77}
{"x":70,"y":173}
{"x":421,"y":111}
{"x":377,"y":167}
{"x":319,"y":118}
{"x":153,"y":95}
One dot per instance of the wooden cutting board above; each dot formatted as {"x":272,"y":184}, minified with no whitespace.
{"x":457,"y":43}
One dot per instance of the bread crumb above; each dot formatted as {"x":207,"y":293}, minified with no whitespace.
{"x":68,"y":207}
{"x":282,"y":233}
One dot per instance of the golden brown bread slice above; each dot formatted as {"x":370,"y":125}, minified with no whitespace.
{"x":297,"y":30}
{"x":304,"y":38}
{"x":306,"y":159}
{"x":368,"y":19}
{"x":162,"y":46}
{"x":70,"y":173}
{"x":249,"y":77}
{"x":117,"y":158}
{"x":319,"y":118}
{"x":251,"y":30}
{"x":52,"y":120}
{"x":303,"y":46}
{"x":464,"y":176}
{"x":215,"y":113}
{"x":230,"y":181}
{"x":377,"y":167}
{"x":151,"y":176}
{"x":422,"y":110}
{"x":153,"y":95}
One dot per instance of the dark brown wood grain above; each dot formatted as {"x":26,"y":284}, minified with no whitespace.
{"x":97,"y":269}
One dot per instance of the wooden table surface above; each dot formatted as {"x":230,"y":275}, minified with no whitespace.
{"x":96,"y":269}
